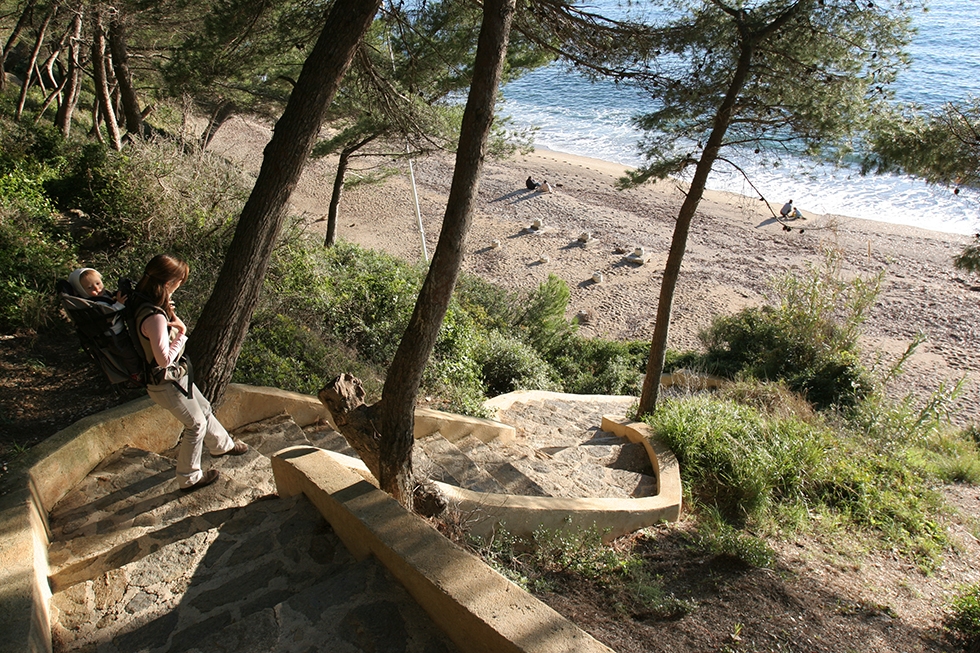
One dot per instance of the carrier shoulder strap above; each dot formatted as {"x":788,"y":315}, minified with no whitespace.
{"x":145,"y":309}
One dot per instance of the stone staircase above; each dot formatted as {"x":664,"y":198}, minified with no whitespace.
{"x":138,"y":565}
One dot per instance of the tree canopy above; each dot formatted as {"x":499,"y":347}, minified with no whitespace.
{"x":762,"y":78}
{"x":941,"y":147}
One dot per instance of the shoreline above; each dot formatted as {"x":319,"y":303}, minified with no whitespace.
{"x":733,"y":249}
{"x":731,"y":198}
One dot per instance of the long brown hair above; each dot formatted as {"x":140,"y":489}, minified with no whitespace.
{"x":161,"y":270}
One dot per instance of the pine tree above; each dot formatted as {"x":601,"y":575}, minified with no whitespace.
{"x":763,"y":77}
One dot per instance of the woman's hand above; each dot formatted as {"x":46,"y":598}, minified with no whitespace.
{"x":178,"y":324}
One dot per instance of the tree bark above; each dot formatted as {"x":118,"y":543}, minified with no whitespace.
{"x":25,"y":16}
{"x":344,"y":398}
{"x":102,"y":80}
{"x":218,"y":336}
{"x":32,"y":64}
{"x":338,"y":188}
{"x":120,"y":64}
{"x":723,"y":117}
{"x":72,"y":80}
{"x":224,"y":111}
{"x":405,"y":374}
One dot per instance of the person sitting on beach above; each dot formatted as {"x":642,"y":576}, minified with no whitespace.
{"x":531,"y":184}
{"x":545,"y":187}
{"x":787,"y":209}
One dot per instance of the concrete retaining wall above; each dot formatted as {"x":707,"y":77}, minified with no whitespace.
{"x":458,"y":591}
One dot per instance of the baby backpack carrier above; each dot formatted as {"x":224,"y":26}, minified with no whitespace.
{"x":105,"y":335}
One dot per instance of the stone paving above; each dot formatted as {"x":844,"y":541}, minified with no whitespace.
{"x":572,"y":457}
{"x":138,"y":565}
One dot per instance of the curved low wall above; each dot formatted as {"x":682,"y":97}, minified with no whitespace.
{"x":522,"y":515}
{"x":51,"y":469}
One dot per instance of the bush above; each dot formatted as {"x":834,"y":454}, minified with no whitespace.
{"x":33,"y":256}
{"x":369,"y":298}
{"x":964,"y":617}
{"x":735,"y":459}
{"x":719,"y":538}
{"x":507,"y":364}
{"x":542,"y":321}
{"x":750,"y":467}
{"x":598,"y":366}
{"x":808,"y":339}
{"x":281,"y":353}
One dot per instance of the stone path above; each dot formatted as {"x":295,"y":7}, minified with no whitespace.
{"x":138,"y":565}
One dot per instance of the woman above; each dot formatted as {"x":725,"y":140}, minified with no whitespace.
{"x":163,"y":336}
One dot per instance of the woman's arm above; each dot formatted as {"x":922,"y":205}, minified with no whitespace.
{"x":157,"y":330}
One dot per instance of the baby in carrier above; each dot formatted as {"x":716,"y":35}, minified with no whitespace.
{"x":100,"y":322}
{"x":87,"y":284}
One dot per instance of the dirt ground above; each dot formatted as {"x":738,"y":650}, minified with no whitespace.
{"x":821,"y":596}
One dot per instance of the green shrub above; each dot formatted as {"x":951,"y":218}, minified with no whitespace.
{"x":281,"y":353}
{"x":33,"y":256}
{"x":535,"y":564}
{"x":369,"y":299}
{"x":507,"y":364}
{"x":964,"y":617}
{"x":718,"y":537}
{"x":490,"y":306}
{"x":543,"y":320}
{"x":808,"y":338}
{"x":735,"y":459}
{"x":598,"y":366}
{"x":772,"y":399}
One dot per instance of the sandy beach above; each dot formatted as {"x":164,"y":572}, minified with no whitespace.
{"x":735,"y":247}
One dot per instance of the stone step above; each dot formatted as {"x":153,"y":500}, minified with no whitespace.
{"x":498,"y":463}
{"x":130,"y":503}
{"x":271,"y":577}
{"x":450,"y":465}
{"x":324,"y":437}
{"x":273,"y":434}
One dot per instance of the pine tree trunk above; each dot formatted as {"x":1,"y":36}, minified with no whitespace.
{"x":25,"y":16}
{"x":218,"y":336}
{"x":405,"y":374}
{"x":102,"y":80}
{"x":72,"y":82}
{"x":32,"y":64}
{"x":224,"y":111}
{"x":678,"y":244}
{"x":338,"y":187}
{"x":120,"y":64}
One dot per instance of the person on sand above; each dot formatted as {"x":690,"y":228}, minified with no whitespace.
{"x":163,"y":336}
{"x":787,"y":209}
{"x":790,"y":212}
{"x":531,"y":184}
{"x":545,"y":187}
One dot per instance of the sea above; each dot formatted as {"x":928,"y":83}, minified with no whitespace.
{"x":571,"y":114}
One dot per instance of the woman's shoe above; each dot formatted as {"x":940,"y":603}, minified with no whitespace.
{"x":207,"y":478}
{"x":239,"y":448}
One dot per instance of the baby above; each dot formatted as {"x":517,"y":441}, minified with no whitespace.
{"x":88,"y":284}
